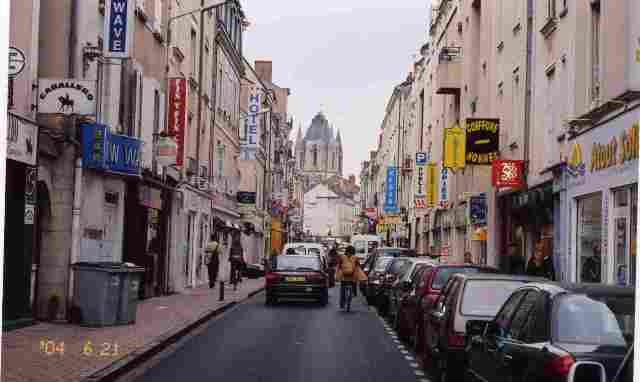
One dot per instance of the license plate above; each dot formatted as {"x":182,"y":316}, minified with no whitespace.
{"x":295,"y":279}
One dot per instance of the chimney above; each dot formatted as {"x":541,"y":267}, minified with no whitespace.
{"x":264,"y":70}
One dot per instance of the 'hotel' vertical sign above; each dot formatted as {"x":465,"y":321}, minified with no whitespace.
{"x":119,"y":21}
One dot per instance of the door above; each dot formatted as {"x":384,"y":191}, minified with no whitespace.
{"x":623,"y":217}
{"x":481,"y":358}
{"x":512,"y":353}
{"x":188,"y":248}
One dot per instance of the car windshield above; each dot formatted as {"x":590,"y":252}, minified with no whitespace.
{"x":581,"y":319}
{"x":485,"y":297}
{"x":314,"y":251}
{"x":397,"y":267}
{"x":445,"y":272}
{"x":391,"y":252}
{"x":293,"y":263}
{"x":299,"y":250}
{"x":382,"y":263}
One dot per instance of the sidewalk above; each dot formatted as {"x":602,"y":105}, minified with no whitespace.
{"x":69,"y":357}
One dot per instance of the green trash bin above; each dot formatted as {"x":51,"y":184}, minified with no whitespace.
{"x":128,"y":304}
{"x":96,"y":294}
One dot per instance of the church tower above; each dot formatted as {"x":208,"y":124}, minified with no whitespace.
{"x":319,"y":154}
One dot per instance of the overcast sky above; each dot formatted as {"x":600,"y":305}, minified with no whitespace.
{"x":346,"y":55}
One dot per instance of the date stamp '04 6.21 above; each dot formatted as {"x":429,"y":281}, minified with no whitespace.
{"x":89,"y":349}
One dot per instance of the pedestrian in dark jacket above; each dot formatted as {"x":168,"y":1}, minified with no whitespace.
{"x":513,"y":262}
{"x":541,"y":264}
{"x":236,"y":257}
{"x":213,"y":264}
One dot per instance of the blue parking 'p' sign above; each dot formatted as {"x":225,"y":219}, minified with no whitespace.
{"x":119,"y":22}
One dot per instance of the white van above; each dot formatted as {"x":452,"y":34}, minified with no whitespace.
{"x":365,"y":244}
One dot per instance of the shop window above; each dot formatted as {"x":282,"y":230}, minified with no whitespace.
{"x":589,"y":244}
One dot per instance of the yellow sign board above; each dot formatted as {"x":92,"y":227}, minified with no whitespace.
{"x":618,"y":151}
{"x":454,"y":147}
{"x":432,"y":185}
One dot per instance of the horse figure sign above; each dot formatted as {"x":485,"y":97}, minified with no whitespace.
{"x":65,"y":103}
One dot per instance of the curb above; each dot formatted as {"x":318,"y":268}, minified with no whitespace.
{"x":122,"y":366}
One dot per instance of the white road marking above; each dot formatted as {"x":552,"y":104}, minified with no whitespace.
{"x":404,"y":352}
{"x":409,"y":358}
{"x":415,"y":365}
{"x":419,"y":373}
{"x":424,"y":380}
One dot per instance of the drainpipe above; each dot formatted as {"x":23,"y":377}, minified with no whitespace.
{"x":75,"y":223}
{"x":527,"y":112}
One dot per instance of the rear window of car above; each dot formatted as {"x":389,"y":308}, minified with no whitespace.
{"x":397,"y":266}
{"x":300,"y":250}
{"x":381,"y":264}
{"x":485,"y":297}
{"x":445,"y":272}
{"x":314,"y":251}
{"x":297,"y":263}
{"x":602,"y":321}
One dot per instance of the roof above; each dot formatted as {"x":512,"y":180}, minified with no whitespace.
{"x":500,"y":276}
{"x":319,"y":130}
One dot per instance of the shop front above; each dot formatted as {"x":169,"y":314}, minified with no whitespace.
{"x":20,"y":216}
{"x":602,"y":202}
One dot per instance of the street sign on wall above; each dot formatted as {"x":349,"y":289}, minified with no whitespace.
{"x":454,"y":148}
{"x":66,"y":96}
{"x":390,"y":199}
{"x":507,"y":173}
{"x":432,"y":185}
{"x":22,"y":140}
{"x":104,"y":151}
{"x":17,"y":62}
{"x":178,"y":114}
{"x":119,"y":22}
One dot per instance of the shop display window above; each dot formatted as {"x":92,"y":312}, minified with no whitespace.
{"x":624,"y":220}
{"x":589,"y":237}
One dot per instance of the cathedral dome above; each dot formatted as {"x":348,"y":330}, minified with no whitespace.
{"x":319,"y":129}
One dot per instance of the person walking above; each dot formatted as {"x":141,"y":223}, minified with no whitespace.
{"x":213,"y":260}
{"x":236,"y":258}
{"x":348,"y":271}
{"x":592,"y":267}
{"x":541,"y":264}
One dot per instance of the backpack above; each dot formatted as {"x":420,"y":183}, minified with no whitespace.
{"x":347,"y":266}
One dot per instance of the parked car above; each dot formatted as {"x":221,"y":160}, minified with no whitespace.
{"x":414,"y":309}
{"x":372,"y":285}
{"x":297,"y":276}
{"x":467,"y":296}
{"x":308,"y":248}
{"x":372,"y":260}
{"x":253,"y":271}
{"x":543,"y":329}
{"x":393,"y":272}
{"x":402,"y":285}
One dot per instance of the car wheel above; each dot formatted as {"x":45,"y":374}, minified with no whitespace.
{"x":271,"y":300}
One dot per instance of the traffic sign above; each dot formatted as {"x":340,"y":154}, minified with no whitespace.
{"x":17,"y":62}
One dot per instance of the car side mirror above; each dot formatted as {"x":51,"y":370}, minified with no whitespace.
{"x":587,"y":371}
{"x":476,"y":327}
{"x":438,"y":313}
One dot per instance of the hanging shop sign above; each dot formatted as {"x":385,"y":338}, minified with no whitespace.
{"x":251,"y":137}
{"x":166,"y":151}
{"x":66,"y":96}
{"x":371,"y":213}
{"x":444,"y":188}
{"x":575,"y":164}
{"x":178,"y":115}
{"x":507,"y":173}
{"x":119,"y":22}
{"x":483,"y":140}
{"x":22,"y":140}
{"x":246,"y":197}
{"x":478,"y":209}
{"x":390,"y":199}
{"x":454,"y":147}
{"x":432,"y":185}
{"x":17,"y":62}
{"x":102,"y":150}
{"x":420,"y":181}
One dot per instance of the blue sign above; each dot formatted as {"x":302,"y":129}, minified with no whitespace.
{"x":119,"y":23}
{"x":421,"y":159}
{"x":478,"y":209}
{"x":390,"y":198}
{"x":104,"y":151}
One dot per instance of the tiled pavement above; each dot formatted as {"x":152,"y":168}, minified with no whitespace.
{"x":25,"y":359}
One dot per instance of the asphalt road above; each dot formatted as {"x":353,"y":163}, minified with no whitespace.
{"x":290,"y":342}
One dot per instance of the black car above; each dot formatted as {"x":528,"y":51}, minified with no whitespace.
{"x":372,"y":261}
{"x":393,"y":272}
{"x":543,"y":329}
{"x":297,"y":276}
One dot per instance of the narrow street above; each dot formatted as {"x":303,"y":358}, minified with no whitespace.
{"x":293,"y":341}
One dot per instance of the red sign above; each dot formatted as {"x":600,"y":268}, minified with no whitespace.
{"x":178,"y":114}
{"x":507,"y":173}
{"x":444,"y":251}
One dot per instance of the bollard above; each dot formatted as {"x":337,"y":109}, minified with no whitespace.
{"x":221,"y":291}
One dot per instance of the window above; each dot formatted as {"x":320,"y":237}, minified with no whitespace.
{"x":537,"y":327}
{"x":522,"y":314}
{"x":158,"y":12}
{"x":205,"y":76}
{"x":589,"y":239}
{"x":221,"y":153}
{"x":595,"y":51}
{"x":485,"y":297}
{"x":602,"y":321}
{"x":194,"y":54}
{"x":290,"y":263}
{"x":551,"y":9}
{"x":504,"y":315}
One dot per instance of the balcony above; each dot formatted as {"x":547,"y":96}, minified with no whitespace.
{"x":448,"y":78}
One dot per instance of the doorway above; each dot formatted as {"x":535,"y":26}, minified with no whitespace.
{"x":623,"y":235}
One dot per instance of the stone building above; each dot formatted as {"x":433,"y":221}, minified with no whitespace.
{"x":319,"y":153}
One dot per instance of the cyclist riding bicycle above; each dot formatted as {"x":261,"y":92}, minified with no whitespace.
{"x":348,"y":271}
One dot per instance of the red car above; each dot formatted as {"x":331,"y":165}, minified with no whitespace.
{"x":416,"y":305}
